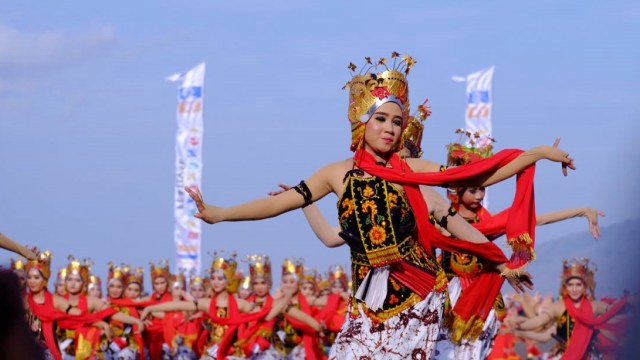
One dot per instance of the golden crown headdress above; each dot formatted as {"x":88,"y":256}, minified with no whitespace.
{"x":18,"y":264}
{"x":133,"y":275}
{"x":62,"y":274}
{"x":260,"y":266}
{"x":178,"y":279}
{"x":228,"y":267}
{"x":412,"y":133}
{"x":160,"y":270}
{"x":369,"y":90}
{"x":194,"y":278}
{"x":338,"y":273}
{"x":322,"y":283}
{"x":245,"y":283}
{"x":42,"y":263}
{"x":80,"y":268}
{"x":581,"y":268}
{"x":294,"y":267}
{"x":94,"y":281}
{"x":115,"y":272}
{"x":310,"y":276}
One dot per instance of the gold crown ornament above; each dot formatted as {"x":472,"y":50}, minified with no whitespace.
{"x":579,"y":268}
{"x":194,"y":278}
{"x":227,"y":266}
{"x":245,"y":283}
{"x":115,"y":272}
{"x":412,"y":133}
{"x":260,"y":266}
{"x":293,"y":267}
{"x":42,"y":263}
{"x":310,"y":276}
{"x":369,"y":90}
{"x":338,"y":273}
{"x":94,"y":281}
{"x":160,"y":270}
{"x":80,"y":268}
{"x":18,"y":264}
{"x":322,"y":283}
{"x":133,"y":275}
{"x":178,"y":280}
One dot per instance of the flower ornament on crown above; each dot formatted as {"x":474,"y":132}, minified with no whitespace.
{"x":80,"y":268}
{"x":42,"y":263}
{"x":369,"y":90}
{"x":160,"y":270}
{"x":115,"y":272}
{"x":579,"y":268}
{"x":469,"y":148}
{"x":18,"y":264}
{"x":412,"y":133}
{"x":293,"y":267}
{"x":228,"y":267}
{"x":260,"y":266}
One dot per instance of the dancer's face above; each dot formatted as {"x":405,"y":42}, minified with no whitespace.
{"x":61,"y":289}
{"x":94,"y":290}
{"x":260,"y":286}
{"x":115,"y":289}
{"x":575,"y":289}
{"x":472,"y":197}
{"x":337,"y":288}
{"x":197,"y":290}
{"x":290,"y":283}
{"x":384,"y":129}
{"x":73,"y":284}
{"x":307,"y":289}
{"x":177,"y":290}
{"x":35,"y":281}
{"x":160,"y":285}
{"x":132,"y":291}
{"x":218,"y":282}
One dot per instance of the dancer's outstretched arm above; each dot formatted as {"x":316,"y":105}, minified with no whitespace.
{"x":13,"y":246}
{"x":560,"y":215}
{"x":540,"y":336}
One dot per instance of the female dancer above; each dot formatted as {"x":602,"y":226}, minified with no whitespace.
{"x":154,"y":334}
{"x":577,"y":315}
{"x":384,"y":217}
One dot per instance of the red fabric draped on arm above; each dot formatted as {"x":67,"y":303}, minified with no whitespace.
{"x":310,"y":337}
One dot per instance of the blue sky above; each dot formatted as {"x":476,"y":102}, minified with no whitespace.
{"x":87,"y":122}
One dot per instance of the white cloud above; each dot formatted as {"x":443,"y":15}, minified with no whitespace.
{"x":32,"y":50}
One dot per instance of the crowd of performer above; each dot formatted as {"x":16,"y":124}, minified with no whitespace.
{"x":424,"y":280}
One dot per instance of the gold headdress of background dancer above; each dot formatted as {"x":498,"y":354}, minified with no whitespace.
{"x":339,"y":274}
{"x":42,"y":263}
{"x":469,"y":148}
{"x":294,"y":267}
{"x":412,"y":133}
{"x":161,"y":270}
{"x":228,"y":267}
{"x":579,"y":268}
{"x":260,"y":266}
{"x":133,"y":276}
{"x":115,"y":272}
{"x":369,"y":90}
{"x":18,"y":264}
{"x":80,"y":268}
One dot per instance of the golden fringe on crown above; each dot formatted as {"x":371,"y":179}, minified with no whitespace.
{"x":133,"y":276}
{"x":338,"y":273}
{"x":94,"y":281}
{"x":581,"y":268}
{"x":368,"y":90}
{"x":18,"y":264}
{"x":80,"y":268}
{"x":115,"y":272}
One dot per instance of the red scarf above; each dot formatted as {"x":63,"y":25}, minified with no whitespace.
{"x":154,"y":334}
{"x":584,"y":325}
{"x":518,"y":224}
{"x":248,"y":334}
{"x":132,"y":311}
{"x":47,"y":314}
{"x":310,"y":337}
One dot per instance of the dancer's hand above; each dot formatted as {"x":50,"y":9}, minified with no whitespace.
{"x":592,"y":217}
{"x":520,"y":282}
{"x":558,"y":155}
{"x":278,"y":192}
{"x":144,"y":313}
{"x":207,"y":213}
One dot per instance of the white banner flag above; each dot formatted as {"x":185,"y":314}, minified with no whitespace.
{"x":479,"y":102}
{"x":187,"y":232}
